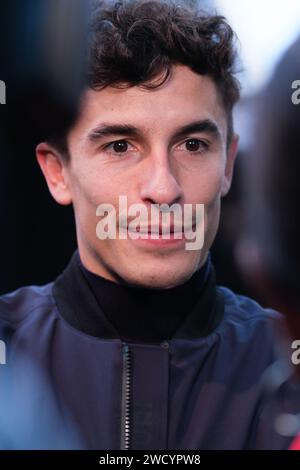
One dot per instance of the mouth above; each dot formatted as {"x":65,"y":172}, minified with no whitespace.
{"x":162,"y":229}
{"x":160,"y":236}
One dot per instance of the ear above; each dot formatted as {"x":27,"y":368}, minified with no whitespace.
{"x":229,"y":166}
{"x":54,"y":171}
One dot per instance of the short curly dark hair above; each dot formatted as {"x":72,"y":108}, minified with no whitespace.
{"x":136,"y":43}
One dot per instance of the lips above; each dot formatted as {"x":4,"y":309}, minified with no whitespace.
{"x":159,"y":229}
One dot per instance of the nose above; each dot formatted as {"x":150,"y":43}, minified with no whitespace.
{"x":160,"y":185}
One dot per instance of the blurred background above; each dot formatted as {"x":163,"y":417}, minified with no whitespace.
{"x":42,"y":64}
{"x":265,"y":30}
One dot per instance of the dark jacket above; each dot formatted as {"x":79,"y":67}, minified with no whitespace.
{"x":198,"y":390}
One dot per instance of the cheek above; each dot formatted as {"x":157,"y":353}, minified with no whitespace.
{"x":90,"y":189}
{"x":205,"y":186}
{"x":100,"y":183}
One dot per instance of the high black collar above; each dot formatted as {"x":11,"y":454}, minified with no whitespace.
{"x":79,"y":306}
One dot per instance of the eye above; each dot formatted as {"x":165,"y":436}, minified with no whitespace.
{"x":195,"y":145}
{"x":118,"y":147}
{"x":121,"y":146}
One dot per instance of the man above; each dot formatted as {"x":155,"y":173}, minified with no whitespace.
{"x":137,"y":342}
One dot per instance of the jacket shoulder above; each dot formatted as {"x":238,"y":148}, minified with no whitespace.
{"x":247,"y":321}
{"x":17,"y":305}
{"x":243,"y":308}
{"x":250,"y":333}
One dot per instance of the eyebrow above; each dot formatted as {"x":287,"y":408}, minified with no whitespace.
{"x":107,"y":130}
{"x":205,"y":125}
{"x":126,"y":130}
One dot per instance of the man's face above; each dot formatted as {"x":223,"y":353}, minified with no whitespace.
{"x":160,"y":146}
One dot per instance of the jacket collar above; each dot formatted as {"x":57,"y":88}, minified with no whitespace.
{"x":78,"y":306}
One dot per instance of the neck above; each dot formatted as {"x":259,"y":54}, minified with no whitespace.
{"x":139,"y":313}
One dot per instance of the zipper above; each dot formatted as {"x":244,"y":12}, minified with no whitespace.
{"x":126,"y":398}
{"x":126,"y":408}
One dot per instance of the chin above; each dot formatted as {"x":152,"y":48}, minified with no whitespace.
{"x":159,"y":272}
{"x":159,"y":278}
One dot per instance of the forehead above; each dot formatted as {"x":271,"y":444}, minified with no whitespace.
{"x":183,"y":98}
